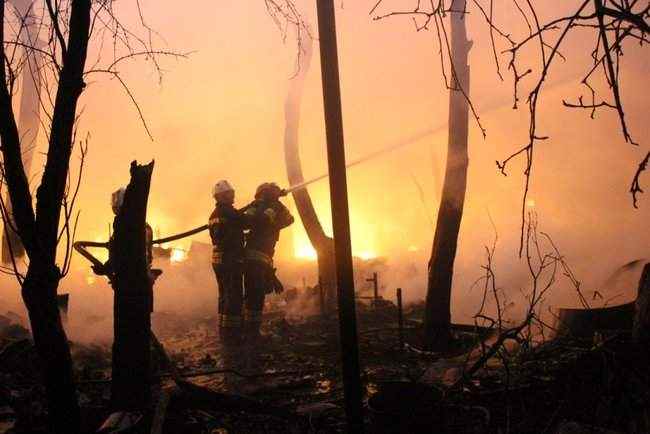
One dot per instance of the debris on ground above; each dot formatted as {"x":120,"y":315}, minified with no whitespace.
{"x":291,"y":382}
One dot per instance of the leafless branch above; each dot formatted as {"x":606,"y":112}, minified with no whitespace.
{"x":635,"y":188}
{"x":543,"y":261}
{"x":611,"y":23}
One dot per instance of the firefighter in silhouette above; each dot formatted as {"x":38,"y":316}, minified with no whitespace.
{"x":226,"y":227}
{"x":266,"y":216}
{"x":106,"y":269}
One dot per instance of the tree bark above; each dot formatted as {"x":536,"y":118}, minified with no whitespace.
{"x":39,"y":230}
{"x":133,"y":297}
{"x":39,"y":294}
{"x":437,"y":319}
{"x":323,"y":244}
{"x":50,"y":193}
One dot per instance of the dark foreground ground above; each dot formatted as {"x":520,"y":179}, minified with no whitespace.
{"x":291,"y":382}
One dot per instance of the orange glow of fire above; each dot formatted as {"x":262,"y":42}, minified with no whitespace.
{"x":305,"y":251}
{"x":363,"y":245}
{"x":366,"y":255}
{"x":178,"y":255}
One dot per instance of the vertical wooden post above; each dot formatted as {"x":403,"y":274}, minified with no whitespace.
{"x":375,"y":288}
{"x":340,"y":214}
{"x":321,"y":297}
{"x":400,"y":318}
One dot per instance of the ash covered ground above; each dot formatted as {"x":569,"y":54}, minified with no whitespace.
{"x":291,"y":380}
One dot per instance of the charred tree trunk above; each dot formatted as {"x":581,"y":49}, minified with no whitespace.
{"x":323,"y":244}
{"x":327,"y":273}
{"x":39,"y":292}
{"x":641,"y":326}
{"x":39,"y":229}
{"x":133,"y":299}
{"x":28,"y":118}
{"x":437,"y":318}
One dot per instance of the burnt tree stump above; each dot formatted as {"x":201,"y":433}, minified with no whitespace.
{"x":133,"y":297}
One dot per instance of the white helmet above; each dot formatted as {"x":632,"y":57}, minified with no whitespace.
{"x":221,"y":187}
{"x":117,"y":199}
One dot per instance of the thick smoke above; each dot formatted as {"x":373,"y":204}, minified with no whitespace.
{"x":219,"y":114}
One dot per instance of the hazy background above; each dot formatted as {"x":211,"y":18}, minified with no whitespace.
{"x":219,"y":114}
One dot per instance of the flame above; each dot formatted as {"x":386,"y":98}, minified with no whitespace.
{"x":178,"y":255}
{"x":90,"y":279}
{"x":364,"y":242}
{"x":305,"y":251}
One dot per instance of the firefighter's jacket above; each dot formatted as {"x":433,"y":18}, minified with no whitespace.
{"x":226,"y":227}
{"x":265,"y":219}
{"x":108,"y":269}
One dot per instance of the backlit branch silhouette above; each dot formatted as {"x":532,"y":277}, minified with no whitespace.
{"x":612,"y":24}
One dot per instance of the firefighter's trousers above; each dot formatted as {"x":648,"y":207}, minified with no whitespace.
{"x":258,"y":281}
{"x":231,"y":292}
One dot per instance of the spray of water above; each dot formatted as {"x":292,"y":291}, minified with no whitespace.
{"x":413,"y":139}
{"x":410,"y":140}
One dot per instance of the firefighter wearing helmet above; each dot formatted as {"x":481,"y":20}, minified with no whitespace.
{"x":117,"y":200}
{"x":266,"y":216}
{"x":226,"y":226}
{"x":107,"y":269}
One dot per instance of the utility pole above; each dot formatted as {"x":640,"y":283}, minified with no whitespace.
{"x":375,"y":289}
{"x":340,"y":214}
{"x":400,"y":318}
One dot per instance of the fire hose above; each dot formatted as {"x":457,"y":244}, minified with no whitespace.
{"x":80,"y":246}
{"x":414,"y":138}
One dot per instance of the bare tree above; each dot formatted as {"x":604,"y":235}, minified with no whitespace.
{"x":612,"y":23}
{"x":29,"y":115}
{"x":546,"y":266}
{"x":68,"y":26}
{"x":323,"y":244}
{"x":613,"y":26}
{"x":437,"y":319}
{"x":437,"y":315}
{"x":39,"y":228}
